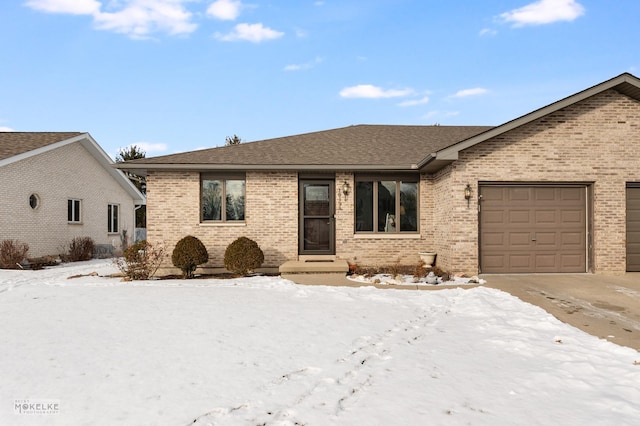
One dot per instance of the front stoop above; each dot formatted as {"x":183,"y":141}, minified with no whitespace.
{"x":316,"y":266}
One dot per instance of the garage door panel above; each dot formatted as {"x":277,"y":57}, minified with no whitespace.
{"x":633,"y":229}
{"x":495,"y":262}
{"x":544,"y":229}
{"x":572,"y":240}
{"x":518,"y":195}
{"x":493,"y":194}
{"x":493,"y":239}
{"x":519,"y":240}
{"x":548,"y":240}
{"x":545,"y":216}
{"x":546,"y":261}
{"x":572,"y":194}
{"x":519,"y":217}
{"x":575,"y":217}
{"x":520,"y":260}
{"x":495,"y":216}
{"x":575,"y":261}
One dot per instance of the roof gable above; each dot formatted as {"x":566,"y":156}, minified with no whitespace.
{"x":625,"y":83}
{"x":16,"y":146}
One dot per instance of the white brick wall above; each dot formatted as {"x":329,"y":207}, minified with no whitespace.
{"x":55,"y":176}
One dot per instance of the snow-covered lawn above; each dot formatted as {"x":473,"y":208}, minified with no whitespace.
{"x":266,"y":351}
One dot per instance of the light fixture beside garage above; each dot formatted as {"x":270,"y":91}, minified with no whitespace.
{"x":467,"y":194}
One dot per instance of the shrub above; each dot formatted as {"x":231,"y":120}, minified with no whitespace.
{"x":141,"y":260}
{"x":243,"y":256}
{"x":12,"y":254}
{"x":188,"y":253}
{"x":80,"y":248}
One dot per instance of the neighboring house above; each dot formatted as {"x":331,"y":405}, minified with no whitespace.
{"x":556,"y":190}
{"x":58,"y":186}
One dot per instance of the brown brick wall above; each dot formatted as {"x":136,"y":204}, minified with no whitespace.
{"x":597,"y":141}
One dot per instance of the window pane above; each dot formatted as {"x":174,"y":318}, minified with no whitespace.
{"x":109,"y":226}
{"x":316,"y":234}
{"x":211,"y":200}
{"x":235,"y":200}
{"x":364,"y":206}
{"x":76,"y":210}
{"x":387,"y":206}
{"x":69,"y":210}
{"x":408,"y":206}
{"x":115,"y":219}
{"x":316,"y":200}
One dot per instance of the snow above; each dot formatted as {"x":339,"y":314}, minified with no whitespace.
{"x":264,"y":350}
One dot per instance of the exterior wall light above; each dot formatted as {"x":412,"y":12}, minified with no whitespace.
{"x":345,"y":189}
{"x":467,"y":194}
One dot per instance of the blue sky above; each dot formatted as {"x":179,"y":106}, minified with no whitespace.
{"x":179,"y":75}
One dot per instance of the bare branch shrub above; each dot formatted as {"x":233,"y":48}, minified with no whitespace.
{"x":141,"y":260}
{"x":12,"y":254}
{"x":80,"y":248}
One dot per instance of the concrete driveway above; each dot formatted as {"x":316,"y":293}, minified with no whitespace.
{"x":605,"y":306}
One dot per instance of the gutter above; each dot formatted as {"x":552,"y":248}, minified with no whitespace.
{"x":143,"y":168}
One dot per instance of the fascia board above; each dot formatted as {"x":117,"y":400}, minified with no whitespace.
{"x":106,"y":162}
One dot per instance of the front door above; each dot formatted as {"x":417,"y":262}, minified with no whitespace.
{"x":317,"y":221}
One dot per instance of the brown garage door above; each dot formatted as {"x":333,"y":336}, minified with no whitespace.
{"x":533,"y":229}
{"x":633,"y":228}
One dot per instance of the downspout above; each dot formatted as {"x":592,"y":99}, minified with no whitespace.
{"x":135,"y":209}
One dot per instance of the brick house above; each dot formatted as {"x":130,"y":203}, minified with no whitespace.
{"x":555,"y":190}
{"x":60,"y":185}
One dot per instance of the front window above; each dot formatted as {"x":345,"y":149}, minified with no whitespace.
{"x":112,"y":218}
{"x":386,"y":205}
{"x":73,"y":211}
{"x":222,"y":198}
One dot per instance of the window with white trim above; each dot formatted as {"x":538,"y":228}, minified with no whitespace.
{"x":222,"y":197}
{"x":74,"y":213}
{"x":386,"y":204}
{"x":113,"y":211}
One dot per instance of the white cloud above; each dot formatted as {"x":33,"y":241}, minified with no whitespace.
{"x":254,"y":33}
{"x":372,"y":92}
{"x":470,"y":92}
{"x":305,"y":66}
{"x":488,"y":32}
{"x":413,"y":102}
{"x":135,"y":18}
{"x":140,"y":18}
{"x":544,"y":12}
{"x":227,"y":10}
{"x":73,"y":7}
{"x":6,"y":129}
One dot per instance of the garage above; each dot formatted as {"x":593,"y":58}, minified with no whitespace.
{"x":633,"y":227}
{"x":534,"y":228}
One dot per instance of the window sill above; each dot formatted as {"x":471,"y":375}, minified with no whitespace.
{"x":386,"y":236}
{"x":221,"y":224}
{"x":74,"y":223}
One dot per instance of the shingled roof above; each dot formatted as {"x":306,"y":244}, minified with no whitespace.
{"x":16,"y":146}
{"x":16,"y":143}
{"x":361,"y":147}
